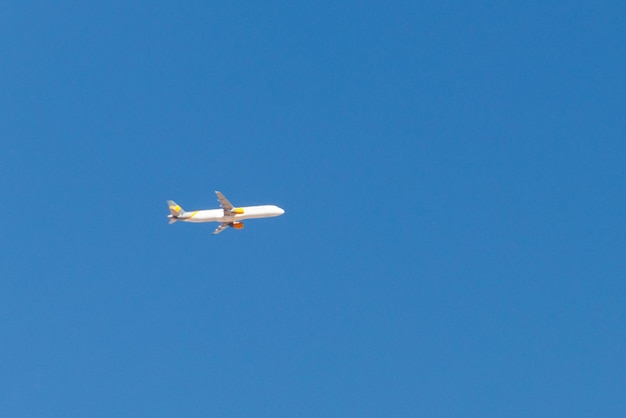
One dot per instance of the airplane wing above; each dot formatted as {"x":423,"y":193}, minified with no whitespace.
{"x":222,"y":227}
{"x":225,"y":204}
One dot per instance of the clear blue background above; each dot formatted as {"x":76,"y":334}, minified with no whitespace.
{"x":453,"y":176}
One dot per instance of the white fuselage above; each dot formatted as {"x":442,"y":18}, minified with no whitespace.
{"x":217,"y":215}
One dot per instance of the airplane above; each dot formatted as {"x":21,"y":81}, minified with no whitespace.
{"x":228,"y":216}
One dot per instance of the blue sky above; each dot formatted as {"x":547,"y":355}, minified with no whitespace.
{"x":453,"y":179}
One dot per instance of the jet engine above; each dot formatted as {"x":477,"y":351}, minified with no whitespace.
{"x":238,"y":225}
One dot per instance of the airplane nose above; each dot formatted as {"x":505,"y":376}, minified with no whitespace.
{"x":281,"y":211}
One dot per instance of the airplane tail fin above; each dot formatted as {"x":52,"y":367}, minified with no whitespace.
{"x":175,"y":210}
